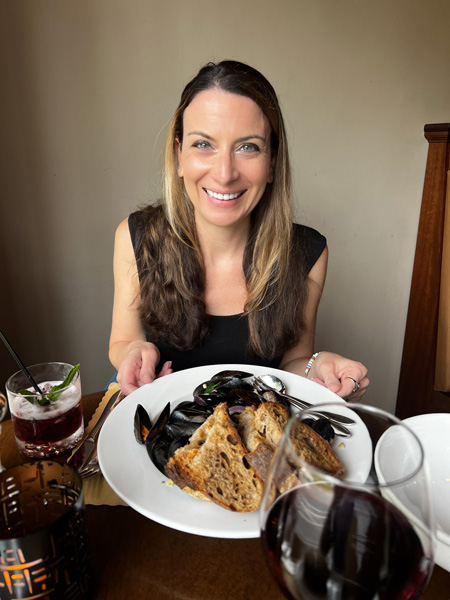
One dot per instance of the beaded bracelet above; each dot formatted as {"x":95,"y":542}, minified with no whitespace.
{"x":310,"y":363}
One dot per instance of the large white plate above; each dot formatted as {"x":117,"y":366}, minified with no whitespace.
{"x":131,"y":474}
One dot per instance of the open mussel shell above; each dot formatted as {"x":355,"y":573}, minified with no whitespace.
{"x":159,"y":452}
{"x":230,"y":374}
{"x":158,"y":428}
{"x":189,"y":411}
{"x":181,"y":429}
{"x":222,"y":382}
{"x":323,"y":427}
{"x":142,"y":424}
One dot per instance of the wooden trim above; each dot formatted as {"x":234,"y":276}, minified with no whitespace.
{"x":438,"y":133}
{"x":417,"y":371}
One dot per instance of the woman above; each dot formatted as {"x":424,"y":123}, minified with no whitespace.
{"x":218,"y":273}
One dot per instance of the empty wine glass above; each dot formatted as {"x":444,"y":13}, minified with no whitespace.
{"x":366,"y":535}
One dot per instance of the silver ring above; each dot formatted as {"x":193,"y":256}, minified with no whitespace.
{"x":357,"y":385}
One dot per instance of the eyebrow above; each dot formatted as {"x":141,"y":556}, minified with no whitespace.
{"x":242,"y":139}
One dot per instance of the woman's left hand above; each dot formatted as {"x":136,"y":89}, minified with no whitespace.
{"x":346,"y":378}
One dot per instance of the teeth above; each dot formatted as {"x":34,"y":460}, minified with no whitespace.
{"x":212,"y":194}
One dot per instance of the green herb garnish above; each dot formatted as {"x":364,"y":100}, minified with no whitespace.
{"x":213,"y":387}
{"x":54,"y":392}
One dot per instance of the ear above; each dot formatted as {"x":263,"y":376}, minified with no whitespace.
{"x":180,"y":165}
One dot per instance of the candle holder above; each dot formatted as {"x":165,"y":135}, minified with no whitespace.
{"x":43,"y":539}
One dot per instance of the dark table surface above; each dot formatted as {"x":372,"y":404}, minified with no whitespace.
{"x":134,"y":557}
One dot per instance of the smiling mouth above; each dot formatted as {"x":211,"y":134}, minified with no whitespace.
{"x":217,"y":196}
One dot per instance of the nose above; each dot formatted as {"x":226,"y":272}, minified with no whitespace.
{"x":225,"y":168}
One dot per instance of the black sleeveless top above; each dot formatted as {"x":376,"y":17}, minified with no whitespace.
{"x":226,"y":341}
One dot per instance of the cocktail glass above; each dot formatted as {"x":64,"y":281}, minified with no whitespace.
{"x":57,"y":425}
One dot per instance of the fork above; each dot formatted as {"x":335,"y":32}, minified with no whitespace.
{"x":90,"y":469}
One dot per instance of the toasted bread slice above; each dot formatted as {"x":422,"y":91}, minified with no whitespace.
{"x":313,"y":449}
{"x":212,"y":463}
{"x":265,"y":426}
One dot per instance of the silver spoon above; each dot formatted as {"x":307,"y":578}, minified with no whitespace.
{"x":274,"y":383}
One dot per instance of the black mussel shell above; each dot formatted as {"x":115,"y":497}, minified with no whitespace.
{"x":235,"y":383}
{"x":142,"y":424}
{"x":190,"y":411}
{"x":176,"y":443}
{"x":158,"y":428}
{"x":210,"y":400}
{"x":159,"y":453}
{"x":229,"y":374}
{"x":181,"y":429}
{"x":220,"y":383}
{"x":208,"y":388}
{"x":249,"y":397}
{"x":324,"y":429}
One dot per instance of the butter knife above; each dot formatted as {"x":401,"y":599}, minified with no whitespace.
{"x":83,"y":452}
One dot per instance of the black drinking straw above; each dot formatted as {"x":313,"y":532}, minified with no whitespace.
{"x":20,"y":363}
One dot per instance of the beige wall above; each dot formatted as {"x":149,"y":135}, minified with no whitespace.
{"x":87,"y":89}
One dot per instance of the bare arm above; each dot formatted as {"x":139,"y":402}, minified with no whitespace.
{"x":134,"y":357}
{"x":296,"y":359}
{"x":331,"y":370}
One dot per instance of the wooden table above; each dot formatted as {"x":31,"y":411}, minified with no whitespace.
{"x":134,"y":557}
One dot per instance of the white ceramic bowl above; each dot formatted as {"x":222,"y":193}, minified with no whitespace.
{"x":433,"y":430}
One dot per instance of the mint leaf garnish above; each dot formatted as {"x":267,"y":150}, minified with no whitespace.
{"x":53,"y":394}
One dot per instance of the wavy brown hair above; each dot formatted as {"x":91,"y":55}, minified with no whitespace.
{"x":172,"y":298}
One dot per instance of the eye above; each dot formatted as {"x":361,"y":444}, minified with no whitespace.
{"x":249,"y":148}
{"x":201,"y":145}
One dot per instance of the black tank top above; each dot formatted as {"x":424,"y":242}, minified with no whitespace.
{"x":227,"y":338}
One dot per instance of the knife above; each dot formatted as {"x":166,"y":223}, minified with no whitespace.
{"x":86,"y":447}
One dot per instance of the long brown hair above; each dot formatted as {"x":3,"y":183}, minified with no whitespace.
{"x":172,"y":298}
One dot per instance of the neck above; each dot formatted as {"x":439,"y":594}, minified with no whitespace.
{"x":223,"y":244}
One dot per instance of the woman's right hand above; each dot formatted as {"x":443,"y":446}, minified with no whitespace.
{"x":138,"y":367}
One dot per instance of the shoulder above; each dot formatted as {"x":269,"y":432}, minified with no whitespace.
{"x":312,"y":243}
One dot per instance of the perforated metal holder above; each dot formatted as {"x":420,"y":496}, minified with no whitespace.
{"x":43,"y":540}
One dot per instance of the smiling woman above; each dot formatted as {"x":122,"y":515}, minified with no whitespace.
{"x":217,"y":272}
{"x":224,"y":158}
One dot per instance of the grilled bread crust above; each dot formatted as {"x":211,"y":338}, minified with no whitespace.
{"x":212,"y":463}
{"x":229,"y":465}
{"x":265,"y":425}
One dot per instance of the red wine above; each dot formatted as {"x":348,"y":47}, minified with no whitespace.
{"x":46,"y":431}
{"x":343,"y":544}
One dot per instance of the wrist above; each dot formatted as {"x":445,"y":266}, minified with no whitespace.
{"x":310,"y":363}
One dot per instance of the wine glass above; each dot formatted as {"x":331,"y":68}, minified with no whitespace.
{"x":366,"y":535}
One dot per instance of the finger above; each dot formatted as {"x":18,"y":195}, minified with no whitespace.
{"x":147,"y":372}
{"x":127,"y":385}
{"x":166,"y":369}
{"x":330,"y":379}
{"x":356,"y":396}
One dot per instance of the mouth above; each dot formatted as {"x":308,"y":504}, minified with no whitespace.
{"x":219,"y":196}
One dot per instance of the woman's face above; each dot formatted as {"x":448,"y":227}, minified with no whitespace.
{"x":225,"y":157}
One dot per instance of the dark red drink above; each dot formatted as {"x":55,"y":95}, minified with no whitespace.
{"x":353,"y":546}
{"x":47,"y":431}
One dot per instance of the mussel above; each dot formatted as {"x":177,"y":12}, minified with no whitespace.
{"x":142,"y":424}
{"x":322,"y":427}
